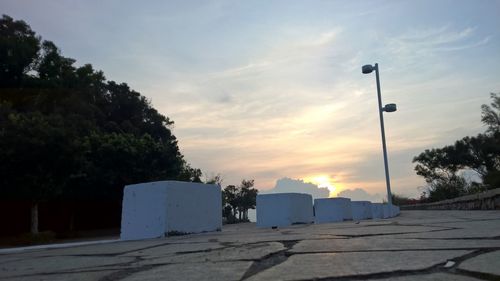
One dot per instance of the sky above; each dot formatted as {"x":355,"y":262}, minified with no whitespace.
{"x":268,"y":90}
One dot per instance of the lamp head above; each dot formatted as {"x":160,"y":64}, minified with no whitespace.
{"x":368,"y":68}
{"x":391,"y":107}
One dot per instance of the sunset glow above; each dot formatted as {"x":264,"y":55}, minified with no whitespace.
{"x":266,"y":90}
{"x":324,"y":181}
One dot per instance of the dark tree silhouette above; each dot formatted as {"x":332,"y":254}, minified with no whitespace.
{"x":68,"y":133}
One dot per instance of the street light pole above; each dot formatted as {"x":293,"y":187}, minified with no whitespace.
{"x":382,"y":130}
{"x":388,"y":108}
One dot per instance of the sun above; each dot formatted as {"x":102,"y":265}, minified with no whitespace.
{"x":323,"y":181}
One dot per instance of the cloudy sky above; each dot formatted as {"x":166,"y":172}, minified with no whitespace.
{"x":271,"y":89}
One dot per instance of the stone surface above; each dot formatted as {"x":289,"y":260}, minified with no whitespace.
{"x":46,"y":265}
{"x":284,"y":209}
{"x":332,"y":210}
{"x":217,"y":271}
{"x":486,"y":263}
{"x":299,"y":267}
{"x":382,"y":244}
{"x":417,"y":245}
{"x":73,"y":276}
{"x":155,"y":209}
{"x":434,"y":277}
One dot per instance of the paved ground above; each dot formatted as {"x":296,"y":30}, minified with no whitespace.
{"x":417,"y":245}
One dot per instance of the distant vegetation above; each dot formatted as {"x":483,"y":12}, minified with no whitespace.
{"x":447,"y":170}
{"x":237,"y":200}
{"x":67,"y":133}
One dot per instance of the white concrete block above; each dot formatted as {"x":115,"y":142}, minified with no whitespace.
{"x":394,"y":211}
{"x":377,"y":210}
{"x":332,"y":209}
{"x":283,"y":209}
{"x":361,"y":210}
{"x":155,"y":209}
{"x":386,"y":211}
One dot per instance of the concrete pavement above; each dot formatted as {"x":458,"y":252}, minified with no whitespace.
{"x":417,"y":245}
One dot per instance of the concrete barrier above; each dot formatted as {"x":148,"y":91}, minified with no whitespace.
{"x":283,"y":209}
{"x":395,"y":210}
{"x":361,"y":210}
{"x":386,"y":211}
{"x":332,"y":209}
{"x":157,"y":209}
{"x":377,"y":211}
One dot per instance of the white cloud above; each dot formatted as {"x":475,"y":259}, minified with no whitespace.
{"x":359,"y":194}
{"x":285,"y":185}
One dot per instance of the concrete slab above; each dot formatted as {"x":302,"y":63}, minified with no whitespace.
{"x":231,"y":253}
{"x":358,"y":250}
{"x":386,"y":244}
{"x":193,"y":271}
{"x":311,"y":266}
{"x":50,"y":265}
{"x":488,"y":263}
{"x":433,"y":277}
{"x":76,"y":276}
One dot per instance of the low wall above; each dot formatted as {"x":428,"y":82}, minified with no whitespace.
{"x":488,"y":200}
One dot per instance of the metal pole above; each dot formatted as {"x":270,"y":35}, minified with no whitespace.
{"x":380,"y":111}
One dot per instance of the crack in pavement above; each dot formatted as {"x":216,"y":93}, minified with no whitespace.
{"x":451,"y":238}
{"x":270,"y":260}
{"x":394,"y":250}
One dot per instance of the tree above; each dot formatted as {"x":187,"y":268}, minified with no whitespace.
{"x":19,"y":47}
{"x":238,"y":200}
{"x":248,"y":196}
{"x":39,"y":156}
{"x":231,"y":198}
{"x":441,"y":167}
{"x":215,"y":179}
{"x":490,"y":114}
{"x":68,"y":133}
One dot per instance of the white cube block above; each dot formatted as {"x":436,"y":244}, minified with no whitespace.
{"x":377,"y":210}
{"x":283,"y":209}
{"x":394,"y":210}
{"x":157,"y":209}
{"x":386,"y":211}
{"x":361,"y":210}
{"x":332,"y":209}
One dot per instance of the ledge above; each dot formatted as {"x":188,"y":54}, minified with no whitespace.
{"x":488,"y":200}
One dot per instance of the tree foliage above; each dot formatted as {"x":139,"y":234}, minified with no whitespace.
{"x":443,"y":168}
{"x":237,"y":200}
{"x":67,"y":132}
